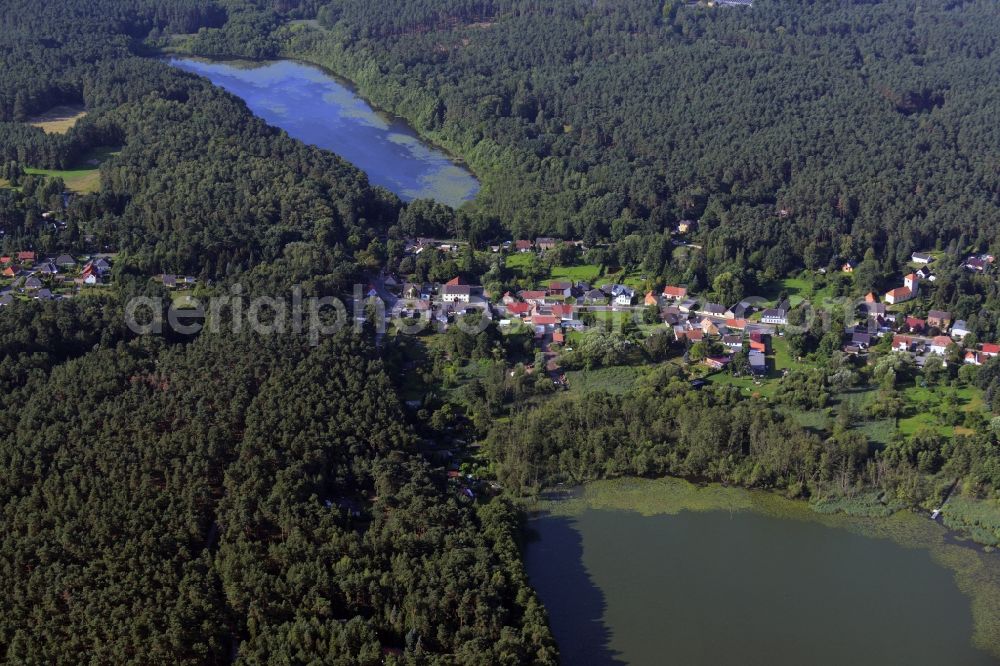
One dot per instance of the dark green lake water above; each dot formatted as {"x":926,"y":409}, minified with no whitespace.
{"x":316,"y":108}
{"x":741,"y":588}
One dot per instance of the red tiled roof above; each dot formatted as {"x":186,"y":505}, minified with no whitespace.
{"x":560,"y":310}
{"x":675,"y":292}
{"x":518,"y":308}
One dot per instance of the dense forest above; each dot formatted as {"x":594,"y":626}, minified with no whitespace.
{"x":170,"y":500}
{"x":868,"y":123}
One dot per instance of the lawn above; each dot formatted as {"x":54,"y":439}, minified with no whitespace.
{"x":581,"y":273}
{"x":86,"y":177}
{"x":748,"y":386}
{"x":518,"y":262}
{"x":59,"y":119}
{"x":802,"y":288}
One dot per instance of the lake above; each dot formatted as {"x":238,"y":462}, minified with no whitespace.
{"x":741,"y":586}
{"x":316,"y":108}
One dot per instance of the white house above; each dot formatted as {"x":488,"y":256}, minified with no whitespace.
{"x":921,"y":258}
{"x":939,"y":344}
{"x":456,"y":293}
{"x":959,"y":330}
{"x":774,"y":316}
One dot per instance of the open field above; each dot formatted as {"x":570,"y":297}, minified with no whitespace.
{"x":84,"y":179}
{"x":617,"y":379}
{"x":58,"y":119}
{"x":582,"y":273}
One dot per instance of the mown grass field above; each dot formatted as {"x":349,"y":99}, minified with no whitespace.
{"x":581,"y":273}
{"x":86,"y":177}
{"x":58,"y":119}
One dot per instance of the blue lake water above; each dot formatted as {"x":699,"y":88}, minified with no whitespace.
{"x":317,"y":109}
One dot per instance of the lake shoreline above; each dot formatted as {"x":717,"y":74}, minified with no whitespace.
{"x":974,"y":570}
{"x":165,"y":55}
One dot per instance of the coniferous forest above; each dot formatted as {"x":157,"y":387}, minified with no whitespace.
{"x":256,"y":498}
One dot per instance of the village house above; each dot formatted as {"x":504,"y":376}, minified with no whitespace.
{"x":26,"y":256}
{"x":921,"y":258}
{"x":902,"y":343}
{"x":47,"y":268}
{"x":959,"y":330}
{"x":687,"y":306}
{"x":760,"y":341}
{"x":758,"y":362}
{"x":709,"y":327}
{"x":563,"y":311}
{"x":736,"y":324}
{"x":989,"y":349}
{"x":622,"y":295}
{"x":875,"y":310}
{"x":939,"y":319}
{"x":673,"y":293}
{"x":717,"y":362}
{"x":870,"y":297}
{"x":774,"y":316}
{"x":733,"y":341}
{"x":456,"y":293}
{"x":169,"y":281}
{"x":518,"y":309}
{"x":545,"y":243}
{"x":684,"y":226}
{"x":713,"y":310}
{"x":847,"y":267}
{"x":976,"y":264}
{"x":651,"y":299}
{"x":560,"y":288}
{"x":974,"y":358}
{"x":523,"y":245}
{"x":861,"y":339}
{"x":740,"y":310}
{"x":534,"y":297}
{"x":694,"y":335}
{"x":545,"y":320}
{"x":914,"y":325}
{"x":32,"y":283}
{"x":594,"y":296}
{"x":939,"y":344}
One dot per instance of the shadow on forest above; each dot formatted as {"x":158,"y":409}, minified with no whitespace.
{"x":575,"y":604}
